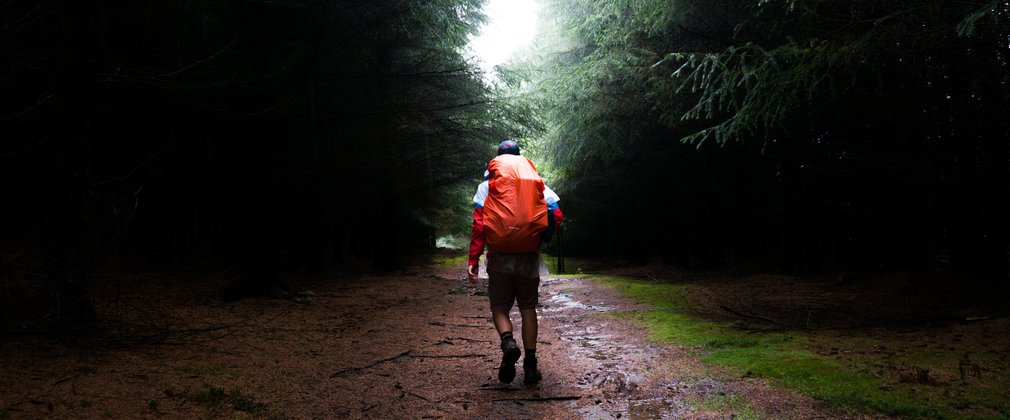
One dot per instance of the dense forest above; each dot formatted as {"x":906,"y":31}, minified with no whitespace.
{"x":788,"y":136}
{"x":794,"y":136}
{"x":267,"y":136}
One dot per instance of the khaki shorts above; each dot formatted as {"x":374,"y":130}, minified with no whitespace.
{"x":513,"y":278}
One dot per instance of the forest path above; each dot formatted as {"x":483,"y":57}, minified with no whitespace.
{"x":596,"y":363}
{"x":594,"y":366}
{"x":416,"y":344}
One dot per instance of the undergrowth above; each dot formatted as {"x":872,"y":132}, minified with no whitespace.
{"x":214,"y":397}
{"x":573,"y":266}
{"x":455,"y":261}
{"x":908,"y":384}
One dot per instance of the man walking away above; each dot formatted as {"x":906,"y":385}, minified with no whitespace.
{"x":512,"y":211}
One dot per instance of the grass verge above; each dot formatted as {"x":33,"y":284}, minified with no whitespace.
{"x":573,"y":266}
{"x":454,"y":261}
{"x":728,"y":403}
{"x":919,"y":384}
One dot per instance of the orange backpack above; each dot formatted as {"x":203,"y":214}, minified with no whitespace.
{"x":515,"y":213}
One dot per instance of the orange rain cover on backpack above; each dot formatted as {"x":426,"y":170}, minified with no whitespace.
{"x":515,"y":212}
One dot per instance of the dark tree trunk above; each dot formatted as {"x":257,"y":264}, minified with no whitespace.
{"x":980,"y":235}
{"x":64,"y":247}
{"x":255,"y":228}
{"x":994,"y":135}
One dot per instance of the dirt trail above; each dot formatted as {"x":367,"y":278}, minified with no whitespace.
{"x":411,"y":345}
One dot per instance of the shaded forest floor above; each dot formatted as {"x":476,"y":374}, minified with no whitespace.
{"x":419,"y":344}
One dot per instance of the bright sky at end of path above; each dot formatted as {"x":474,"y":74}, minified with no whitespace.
{"x":511,"y":27}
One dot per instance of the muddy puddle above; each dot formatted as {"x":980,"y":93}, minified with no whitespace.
{"x":621,"y":377}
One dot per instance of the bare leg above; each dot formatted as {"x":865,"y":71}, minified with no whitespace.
{"x":502,"y":322}
{"x":530,"y":327}
{"x":510,"y":352}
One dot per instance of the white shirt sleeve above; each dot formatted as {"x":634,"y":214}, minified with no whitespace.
{"x":550,"y":196}
{"x":481,"y":195}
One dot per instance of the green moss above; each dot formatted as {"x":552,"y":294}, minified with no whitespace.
{"x":739,"y":407}
{"x":659,"y":295}
{"x":821,"y":377}
{"x":861,"y":382}
{"x":456,"y":261}
{"x":568,"y":276}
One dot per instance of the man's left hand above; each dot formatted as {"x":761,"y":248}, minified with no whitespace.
{"x":471,"y":273}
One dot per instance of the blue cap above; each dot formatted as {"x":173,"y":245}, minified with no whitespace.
{"x":509,"y":147}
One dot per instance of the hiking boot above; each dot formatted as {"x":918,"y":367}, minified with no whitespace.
{"x":510,"y":355}
{"x":531,"y":375}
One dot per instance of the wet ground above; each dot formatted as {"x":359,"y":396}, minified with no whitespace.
{"x":624,"y":375}
{"x":418,"y":344}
